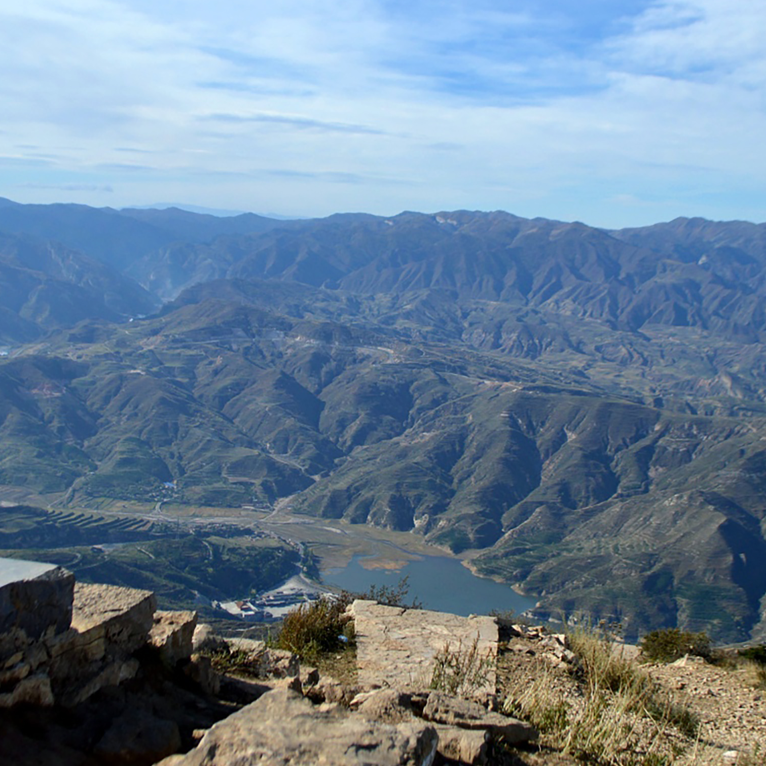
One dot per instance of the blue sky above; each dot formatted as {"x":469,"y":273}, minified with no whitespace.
{"x":613,"y":113}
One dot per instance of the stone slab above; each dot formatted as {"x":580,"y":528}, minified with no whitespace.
{"x":284,"y":728}
{"x":400,"y":647}
{"x":35,"y":598}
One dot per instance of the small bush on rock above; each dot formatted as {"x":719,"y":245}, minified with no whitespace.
{"x":317,"y":628}
{"x":671,"y":644}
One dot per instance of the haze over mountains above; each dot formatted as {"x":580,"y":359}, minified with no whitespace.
{"x":582,"y":410}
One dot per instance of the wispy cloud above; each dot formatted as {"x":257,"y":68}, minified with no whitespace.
{"x":304,"y":107}
{"x":69,"y":187}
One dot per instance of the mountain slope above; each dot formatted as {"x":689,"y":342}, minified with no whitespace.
{"x":579,"y":412}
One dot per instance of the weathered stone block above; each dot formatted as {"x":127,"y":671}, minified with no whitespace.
{"x":109,"y":623}
{"x":205,"y":639}
{"x":32,"y":690}
{"x":35,"y":598}
{"x":402,"y":647}
{"x":171,"y":635}
{"x":387,"y":705}
{"x":112,"y":674}
{"x":125,"y":615}
{"x":200,"y":670}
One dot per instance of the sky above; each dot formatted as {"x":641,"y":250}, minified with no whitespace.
{"x":612,"y":113}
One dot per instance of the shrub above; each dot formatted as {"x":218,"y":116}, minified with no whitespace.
{"x":317,"y":628}
{"x":754,"y":653}
{"x":671,"y":644}
{"x":391,"y":595}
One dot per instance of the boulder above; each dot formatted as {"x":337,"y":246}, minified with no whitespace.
{"x":282,"y":727}
{"x":32,"y":690}
{"x":463,"y":745}
{"x":278,"y":663}
{"x":171,"y":635}
{"x":409,"y":649}
{"x":111,"y":674}
{"x":387,"y":705}
{"x":200,"y":671}
{"x":248,"y":645}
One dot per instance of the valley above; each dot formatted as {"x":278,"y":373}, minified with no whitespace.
{"x":581,"y":414}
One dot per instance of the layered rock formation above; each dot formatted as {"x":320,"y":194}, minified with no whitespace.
{"x":129,"y":676}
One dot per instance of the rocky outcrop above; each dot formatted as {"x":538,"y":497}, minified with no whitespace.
{"x":126,"y":670}
{"x":283,"y":727}
{"x":172,"y":636}
{"x":64,"y":641}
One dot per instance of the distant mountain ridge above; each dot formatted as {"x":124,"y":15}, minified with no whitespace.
{"x":581,"y":412}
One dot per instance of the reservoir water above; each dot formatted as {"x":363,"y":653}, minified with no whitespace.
{"x":438,"y":582}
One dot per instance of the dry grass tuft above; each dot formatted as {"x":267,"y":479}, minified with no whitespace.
{"x":460,"y":671}
{"x":613,"y":716}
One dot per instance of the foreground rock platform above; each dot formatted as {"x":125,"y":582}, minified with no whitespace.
{"x":282,"y":727}
{"x":402,"y":648}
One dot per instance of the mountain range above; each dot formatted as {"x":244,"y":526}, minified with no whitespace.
{"x":580,"y":412}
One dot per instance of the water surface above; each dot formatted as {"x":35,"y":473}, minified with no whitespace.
{"x":438,"y":582}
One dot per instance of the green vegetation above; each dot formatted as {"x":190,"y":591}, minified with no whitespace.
{"x":317,"y":629}
{"x":754,"y":653}
{"x":492,"y":385}
{"x":670,"y":644}
{"x":390,"y":595}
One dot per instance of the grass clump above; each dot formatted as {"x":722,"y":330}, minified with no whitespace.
{"x":605,"y":711}
{"x":233,"y":662}
{"x":670,"y":644}
{"x":317,"y":628}
{"x":461,"y":672}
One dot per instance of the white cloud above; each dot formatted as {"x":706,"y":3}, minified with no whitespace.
{"x":304,"y":107}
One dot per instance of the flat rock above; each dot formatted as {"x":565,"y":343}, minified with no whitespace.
{"x":401,"y":647}
{"x":171,"y":635}
{"x":32,"y":690}
{"x":444,"y":709}
{"x":35,"y":598}
{"x":125,"y":614}
{"x":283,"y":727}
